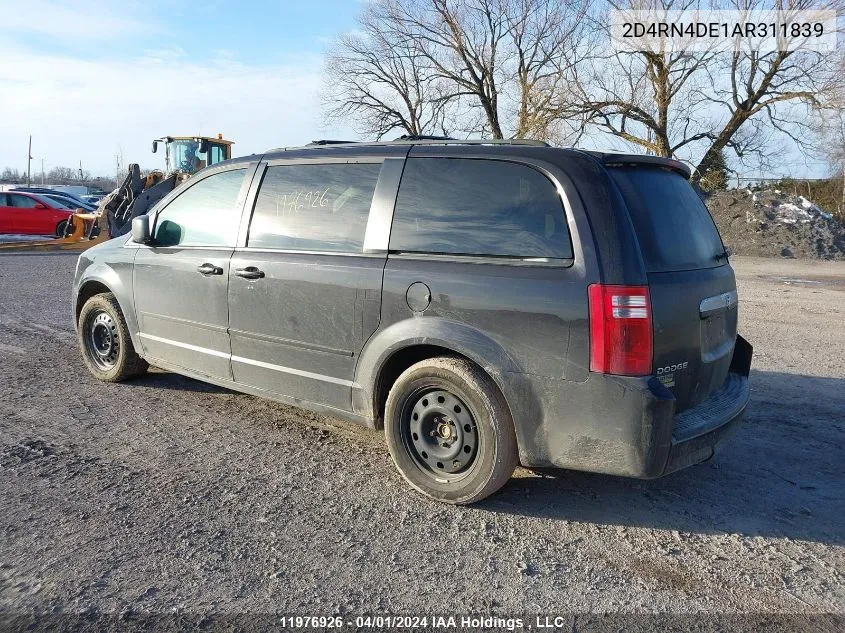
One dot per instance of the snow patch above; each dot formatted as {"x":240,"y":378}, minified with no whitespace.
{"x":797,"y":209}
{"x":24,"y":238}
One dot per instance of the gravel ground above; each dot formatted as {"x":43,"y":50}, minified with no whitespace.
{"x":166,"y":495}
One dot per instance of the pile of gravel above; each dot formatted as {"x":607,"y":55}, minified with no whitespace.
{"x":771,"y":223}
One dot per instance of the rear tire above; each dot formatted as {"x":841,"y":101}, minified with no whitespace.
{"x":449,"y":431}
{"x":61,"y":228}
{"x":105,"y":342}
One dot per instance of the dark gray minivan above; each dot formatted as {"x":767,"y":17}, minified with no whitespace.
{"x":487,"y":304}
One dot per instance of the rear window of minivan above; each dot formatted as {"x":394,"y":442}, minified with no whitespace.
{"x":674,"y":228}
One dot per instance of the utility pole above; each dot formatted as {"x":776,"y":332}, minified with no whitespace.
{"x":42,"y":171}
{"x":29,"y":163}
{"x":119,"y":162}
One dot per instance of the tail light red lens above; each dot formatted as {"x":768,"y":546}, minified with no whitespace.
{"x":620,"y":330}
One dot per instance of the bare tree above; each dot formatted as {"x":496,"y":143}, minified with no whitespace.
{"x":436,"y":64}
{"x":10,"y":175}
{"x":830,"y":128}
{"x":697,"y":104}
{"x":462,"y":40}
{"x":548,"y":39}
{"x":382,"y":82}
{"x":781,"y":87}
{"x":62,"y":175}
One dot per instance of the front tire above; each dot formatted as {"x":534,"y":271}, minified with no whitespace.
{"x":105,"y":342}
{"x":449,"y":431}
{"x":61,"y":228}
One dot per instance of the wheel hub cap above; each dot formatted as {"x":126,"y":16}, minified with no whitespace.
{"x":102,"y":341}
{"x":441,"y":433}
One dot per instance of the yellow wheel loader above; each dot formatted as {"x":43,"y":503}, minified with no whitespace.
{"x":184,"y":156}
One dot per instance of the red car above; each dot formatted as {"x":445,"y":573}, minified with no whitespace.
{"x":31,"y":214}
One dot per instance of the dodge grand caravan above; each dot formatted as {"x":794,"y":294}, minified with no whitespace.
{"x":485,"y":304}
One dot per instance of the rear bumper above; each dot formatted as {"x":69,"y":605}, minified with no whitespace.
{"x":698,"y":432}
{"x":628,"y":426}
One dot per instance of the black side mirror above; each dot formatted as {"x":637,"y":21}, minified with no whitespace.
{"x":141,"y":230}
{"x":155,"y":146}
{"x":204,"y":146}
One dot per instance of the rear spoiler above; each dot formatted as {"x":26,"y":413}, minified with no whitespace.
{"x":610,"y":159}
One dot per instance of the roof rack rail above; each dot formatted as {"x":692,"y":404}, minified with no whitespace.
{"x":433,"y":140}
{"x":423,"y":140}
{"x":329,"y":142}
{"x":423,"y":137}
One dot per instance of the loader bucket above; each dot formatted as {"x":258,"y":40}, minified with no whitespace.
{"x":84,"y":234}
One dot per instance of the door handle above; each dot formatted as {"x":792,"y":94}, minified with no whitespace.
{"x":210,"y":269}
{"x":250,"y":272}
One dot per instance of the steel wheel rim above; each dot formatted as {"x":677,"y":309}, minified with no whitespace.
{"x":440,"y":434}
{"x":101,"y":340}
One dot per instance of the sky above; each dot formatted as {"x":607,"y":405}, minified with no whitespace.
{"x":93,"y":80}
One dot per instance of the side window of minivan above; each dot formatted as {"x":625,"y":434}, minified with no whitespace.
{"x":205,"y":214}
{"x":314,"y":207}
{"x":482,"y":207}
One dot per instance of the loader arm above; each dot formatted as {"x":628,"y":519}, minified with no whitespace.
{"x":134,"y":197}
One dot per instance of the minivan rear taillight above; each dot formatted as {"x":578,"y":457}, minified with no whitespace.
{"x":620,"y":330}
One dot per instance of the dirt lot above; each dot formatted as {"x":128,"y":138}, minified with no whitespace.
{"x":776,"y":223}
{"x":167,"y":495}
